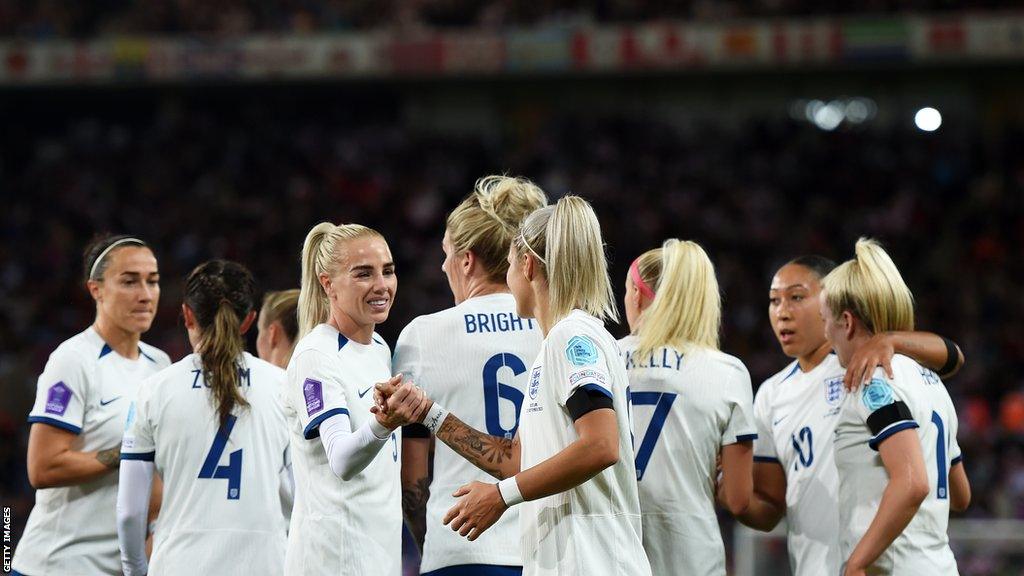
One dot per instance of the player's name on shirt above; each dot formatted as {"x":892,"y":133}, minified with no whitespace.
{"x":490,"y":322}
{"x":198,"y":383}
{"x":658,"y":358}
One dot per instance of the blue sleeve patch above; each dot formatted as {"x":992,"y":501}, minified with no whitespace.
{"x":876,"y":394}
{"x":581,"y":351}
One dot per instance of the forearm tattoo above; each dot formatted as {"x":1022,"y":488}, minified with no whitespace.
{"x":484,"y":451}
{"x":414,"y":506}
{"x":111,"y":457}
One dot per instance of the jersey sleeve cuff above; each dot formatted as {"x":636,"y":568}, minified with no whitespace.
{"x":743,"y":438}
{"x":55,"y":423}
{"x":593,"y":387}
{"x":956,"y":460}
{"x":889,"y":430}
{"x":144,"y":456}
{"x":312,"y":430}
{"x":766,"y":459}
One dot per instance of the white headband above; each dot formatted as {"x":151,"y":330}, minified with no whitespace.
{"x":528,"y":247}
{"x":96,"y":262}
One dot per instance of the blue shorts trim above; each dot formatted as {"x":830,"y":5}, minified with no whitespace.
{"x":312,"y":429}
{"x":476,"y":570}
{"x":55,"y":423}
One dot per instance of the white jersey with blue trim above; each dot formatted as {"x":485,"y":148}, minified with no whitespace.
{"x":796,"y":414}
{"x":340,"y":527}
{"x":593,"y":529}
{"x":686,"y":407}
{"x":221,"y":511}
{"x":472,"y":359}
{"x":915,"y":399}
{"x":86,"y":389}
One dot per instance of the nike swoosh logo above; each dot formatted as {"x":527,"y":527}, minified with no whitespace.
{"x":105,"y":402}
{"x":780,"y":420}
{"x":363,"y":393}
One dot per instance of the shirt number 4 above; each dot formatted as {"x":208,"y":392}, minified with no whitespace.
{"x":233,"y":471}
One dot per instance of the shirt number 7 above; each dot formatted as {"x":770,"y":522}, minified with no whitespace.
{"x":662,"y":402}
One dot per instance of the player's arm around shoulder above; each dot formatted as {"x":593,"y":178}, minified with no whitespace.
{"x":932,"y":351}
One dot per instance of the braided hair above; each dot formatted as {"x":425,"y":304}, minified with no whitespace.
{"x":221,"y":294}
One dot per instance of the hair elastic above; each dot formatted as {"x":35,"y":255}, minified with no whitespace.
{"x":96,"y":262}
{"x":634,"y":273}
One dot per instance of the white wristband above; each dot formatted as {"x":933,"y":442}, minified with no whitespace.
{"x":509,"y":490}
{"x":435,"y":416}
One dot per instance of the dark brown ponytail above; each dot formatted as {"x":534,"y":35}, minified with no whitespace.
{"x":221,"y":294}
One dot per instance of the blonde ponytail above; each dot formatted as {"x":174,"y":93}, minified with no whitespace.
{"x":487,"y":219}
{"x":320,"y":255}
{"x":687,"y":306}
{"x":566,"y":239}
{"x":871,"y":287}
{"x":314,"y":307}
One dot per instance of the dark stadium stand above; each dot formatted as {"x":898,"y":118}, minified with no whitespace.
{"x":213,"y":160}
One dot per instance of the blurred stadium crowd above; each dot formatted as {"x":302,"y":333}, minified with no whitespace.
{"x":56,"y":19}
{"x":245,"y":177}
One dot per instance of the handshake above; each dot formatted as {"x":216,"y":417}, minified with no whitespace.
{"x":397,"y":403}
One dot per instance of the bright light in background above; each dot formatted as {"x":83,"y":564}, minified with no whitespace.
{"x":928,"y":119}
{"x":830,"y":115}
{"x":860,"y":110}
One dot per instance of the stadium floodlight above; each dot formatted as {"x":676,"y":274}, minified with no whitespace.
{"x":829,"y":116}
{"x":860,"y":110}
{"x":928,"y":119}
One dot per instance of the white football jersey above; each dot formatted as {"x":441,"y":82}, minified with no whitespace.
{"x":86,"y":388}
{"x":796,"y":414}
{"x":915,"y":399}
{"x":686,"y":406}
{"x":221,"y":511}
{"x":340,"y":527}
{"x":472,"y":359}
{"x":593,"y":529}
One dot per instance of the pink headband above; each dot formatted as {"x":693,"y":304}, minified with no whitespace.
{"x":634,"y":273}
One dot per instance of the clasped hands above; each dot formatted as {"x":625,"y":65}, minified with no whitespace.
{"x":479,"y":504}
{"x":397,"y":403}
